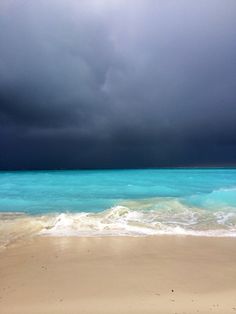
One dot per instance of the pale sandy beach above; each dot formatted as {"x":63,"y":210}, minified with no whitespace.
{"x":161,"y":274}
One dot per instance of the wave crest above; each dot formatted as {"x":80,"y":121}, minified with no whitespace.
{"x":131,"y":218}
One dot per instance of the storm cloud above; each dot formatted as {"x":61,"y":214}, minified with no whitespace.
{"x":115,"y":83}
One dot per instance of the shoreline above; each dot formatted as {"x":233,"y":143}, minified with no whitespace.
{"x":153,"y":274}
{"x":26,"y":239}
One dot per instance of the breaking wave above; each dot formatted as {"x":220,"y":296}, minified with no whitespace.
{"x":158,"y":216}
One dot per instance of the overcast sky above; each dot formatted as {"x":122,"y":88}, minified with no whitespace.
{"x":117,"y":83}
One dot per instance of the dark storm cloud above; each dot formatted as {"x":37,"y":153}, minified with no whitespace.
{"x":115,"y":83}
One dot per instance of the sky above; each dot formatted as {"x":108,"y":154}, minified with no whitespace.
{"x":117,"y":83}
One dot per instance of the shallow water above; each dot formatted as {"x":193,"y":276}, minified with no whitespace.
{"x":118,"y":202}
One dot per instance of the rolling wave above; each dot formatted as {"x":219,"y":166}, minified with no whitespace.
{"x":157,"y":216}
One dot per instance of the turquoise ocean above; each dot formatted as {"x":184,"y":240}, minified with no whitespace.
{"x":191,"y":201}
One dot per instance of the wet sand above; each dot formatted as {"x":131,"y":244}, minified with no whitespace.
{"x":164,"y":274}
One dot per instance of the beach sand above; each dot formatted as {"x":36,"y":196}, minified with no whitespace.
{"x":163,"y":274}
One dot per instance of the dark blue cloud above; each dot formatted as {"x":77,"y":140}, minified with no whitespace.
{"x":104,"y":83}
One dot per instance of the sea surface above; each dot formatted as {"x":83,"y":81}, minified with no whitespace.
{"x":117,"y":202}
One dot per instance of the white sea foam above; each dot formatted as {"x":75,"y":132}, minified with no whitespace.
{"x":132,"y":218}
{"x":121,"y":220}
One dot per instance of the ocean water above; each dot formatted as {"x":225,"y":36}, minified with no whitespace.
{"x":117,"y":202}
